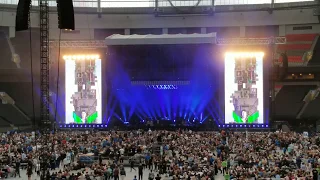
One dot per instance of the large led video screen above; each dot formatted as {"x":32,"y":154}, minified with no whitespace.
{"x":83,"y":91}
{"x":244,"y":88}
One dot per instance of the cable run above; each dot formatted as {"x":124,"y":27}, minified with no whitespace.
{"x":32,"y":78}
{"x":58,"y":79}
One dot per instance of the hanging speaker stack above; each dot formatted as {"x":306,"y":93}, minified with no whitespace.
{"x":65,"y":14}
{"x":22,"y":17}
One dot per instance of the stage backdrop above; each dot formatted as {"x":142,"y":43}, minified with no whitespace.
{"x":164,"y":82}
{"x":244,"y":91}
{"x":83,"y":91}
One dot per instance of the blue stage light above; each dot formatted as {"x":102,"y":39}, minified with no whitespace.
{"x":243,"y":126}
{"x":136,"y":99}
{"x":164,"y":87}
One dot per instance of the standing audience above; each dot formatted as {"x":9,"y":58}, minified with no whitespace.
{"x":179,"y":155}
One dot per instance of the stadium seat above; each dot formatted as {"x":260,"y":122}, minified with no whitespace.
{"x":293,"y":59}
{"x":300,"y":37}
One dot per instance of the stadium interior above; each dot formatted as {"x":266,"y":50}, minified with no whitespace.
{"x":180,"y":89}
{"x":295,"y":93}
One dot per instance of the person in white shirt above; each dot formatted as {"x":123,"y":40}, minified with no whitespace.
{"x":23,"y":156}
{"x":303,"y":166}
{"x":121,"y":150}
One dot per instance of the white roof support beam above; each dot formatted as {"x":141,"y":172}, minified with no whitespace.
{"x":118,"y":39}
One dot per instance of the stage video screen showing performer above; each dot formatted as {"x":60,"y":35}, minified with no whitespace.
{"x":244,"y":88}
{"x":83,"y":91}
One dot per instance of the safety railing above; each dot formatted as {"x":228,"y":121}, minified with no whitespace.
{"x":152,"y":3}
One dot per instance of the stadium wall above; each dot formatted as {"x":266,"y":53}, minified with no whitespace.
{"x":85,"y":23}
{"x":91,"y":26}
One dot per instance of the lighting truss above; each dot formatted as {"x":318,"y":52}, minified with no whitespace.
{"x":251,"y":41}
{"x":162,"y":87}
{"x":81,"y":57}
{"x":79,"y":44}
{"x":44,"y":64}
{"x":220,"y":41}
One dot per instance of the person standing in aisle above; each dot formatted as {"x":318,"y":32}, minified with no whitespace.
{"x":151,"y":175}
{"x":116,"y":173}
{"x":17,"y":168}
{"x":122,"y":173}
{"x":158,"y":177}
{"x":140,"y":169}
{"x":132,"y":165}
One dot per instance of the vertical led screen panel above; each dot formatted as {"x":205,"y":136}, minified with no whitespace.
{"x":83,"y":91}
{"x":244,"y":88}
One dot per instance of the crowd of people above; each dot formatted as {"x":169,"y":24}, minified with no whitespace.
{"x":179,"y":154}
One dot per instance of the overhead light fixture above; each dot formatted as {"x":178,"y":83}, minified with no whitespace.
{"x":81,"y":57}
{"x":244,"y":54}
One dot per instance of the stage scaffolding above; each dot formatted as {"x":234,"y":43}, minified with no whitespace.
{"x":44,"y":65}
{"x":270,"y":42}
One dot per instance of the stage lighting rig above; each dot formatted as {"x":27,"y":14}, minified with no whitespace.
{"x":81,"y":57}
{"x":244,"y":54}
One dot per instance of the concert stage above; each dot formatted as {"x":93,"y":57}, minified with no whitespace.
{"x":188,"y":79}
